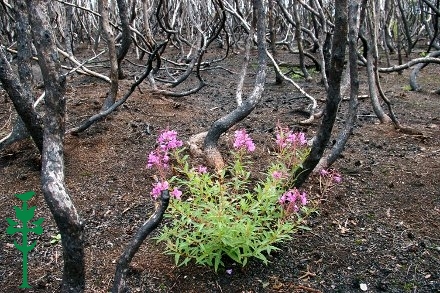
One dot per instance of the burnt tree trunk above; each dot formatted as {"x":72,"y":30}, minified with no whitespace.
{"x":338,"y":147}
{"x":108,"y":35}
{"x":220,"y":126}
{"x":299,"y":41}
{"x":24,"y":55}
{"x":333,"y":94}
{"x":126,"y":35}
{"x":52,"y":170}
{"x":22,"y":100}
{"x":119,"y":283}
{"x":272,"y":36}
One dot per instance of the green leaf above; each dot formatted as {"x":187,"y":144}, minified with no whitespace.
{"x":12,"y":230}
{"x":176,"y":258}
{"x":25,"y":214}
{"x":25,"y":196}
{"x":12,"y":222}
{"x":38,"y":222}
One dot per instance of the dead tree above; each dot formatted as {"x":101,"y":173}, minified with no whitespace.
{"x":114,"y":72}
{"x":368,"y":14}
{"x":55,"y":193}
{"x":351,"y":116}
{"x":333,"y":94}
{"x":125,"y":35}
{"x":220,"y":126}
{"x":122,"y":266}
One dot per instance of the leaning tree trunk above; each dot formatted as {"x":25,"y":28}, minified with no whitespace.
{"x":22,"y":100}
{"x":52,"y":170}
{"x":333,"y":94}
{"x":220,"y":126}
{"x":122,"y":267}
{"x":351,"y":117}
{"x":24,"y":59}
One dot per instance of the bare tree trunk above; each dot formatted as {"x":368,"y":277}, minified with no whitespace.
{"x":389,"y":11}
{"x":413,"y":76}
{"x":372,"y":56}
{"x":147,"y":30}
{"x":68,"y":30}
{"x":108,"y":34}
{"x":22,"y":100}
{"x":126,"y":35}
{"x":52,"y":170}
{"x":272,"y":36}
{"x":409,"y":43}
{"x":333,"y":94}
{"x":338,"y":147}
{"x":299,"y":41}
{"x":24,"y":59}
{"x":220,"y":126}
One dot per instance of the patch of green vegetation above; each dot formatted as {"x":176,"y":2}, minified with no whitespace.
{"x":295,"y":72}
{"x":358,"y":241}
{"x":423,"y":54}
{"x":407,"y":88}
{"x":409,"y":286}
{"x":371,"y":216}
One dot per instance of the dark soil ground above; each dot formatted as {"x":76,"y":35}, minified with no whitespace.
{"x":379,"y":228}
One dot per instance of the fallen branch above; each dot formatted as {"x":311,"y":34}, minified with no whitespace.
{"x":314,"y":104}
{"x":85,"y":69}
{"x":410,"y":63}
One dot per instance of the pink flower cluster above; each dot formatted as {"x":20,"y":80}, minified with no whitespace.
{"x":202,"y":169}
{"x":243,"y":140}
{"x":331,"y":174}
{"x":292,"y":198}
{"x":158,"y":187}
{"x":289,"y":138}
{"x":167,"y":141}
{"x":278,"y":175}
{"x":159,"y":159}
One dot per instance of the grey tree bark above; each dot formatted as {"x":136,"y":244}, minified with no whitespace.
{"x":351,"y":117}
{"x":52,"y":171}
{"x":220,"y":126}
{"x":108,"y":35}
{"x":333,"y":94}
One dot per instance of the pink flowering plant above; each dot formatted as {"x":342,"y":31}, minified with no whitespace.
{"x":229,"y":212}
{"x":328,"y":178}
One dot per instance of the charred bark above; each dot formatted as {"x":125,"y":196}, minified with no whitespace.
{"x":108,"y":34}
{"x":220,"y":126}
{"x":126,"y":35}
{"x":22,"y":100}
{"x":350,"y":120}
{"x":272,"y":36}
{"x":89,"y":122}
{"x":119,"y":283}
{"x":333,"y":94}
{"x":52,"y":170}
{"x":299,"y":42}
